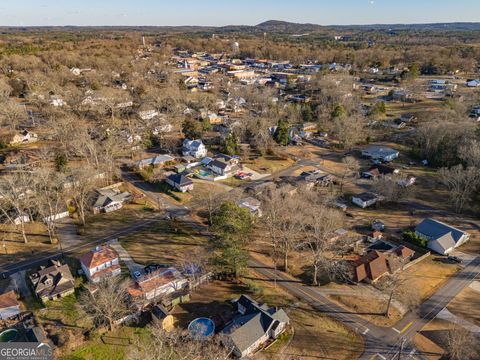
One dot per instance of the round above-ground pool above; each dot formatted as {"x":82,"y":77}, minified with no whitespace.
{"x":8,"y":335}
{"x":201,"y":328}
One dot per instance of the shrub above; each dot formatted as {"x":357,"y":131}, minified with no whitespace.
{"x":413,"y":238}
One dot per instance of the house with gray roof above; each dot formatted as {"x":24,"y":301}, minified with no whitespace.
{"x":380,"y":153}
{"x":53,"y":282}
{"x":156,"y":161}
{"x":442,"y":238}
{"x":109,"y":199}
{"x":254,"y":325}
{"x":179,"y":182}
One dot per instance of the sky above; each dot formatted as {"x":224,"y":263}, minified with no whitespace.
{"x":225,"y":12}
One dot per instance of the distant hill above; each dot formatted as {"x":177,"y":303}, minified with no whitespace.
{"x":270,"y":26}
{"x":287,"y":27}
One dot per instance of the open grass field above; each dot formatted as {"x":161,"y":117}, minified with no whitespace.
{"x":12,"y":246}
{"x":369,"y":308}
{"x":164,"y":242}
{"x":428,"y":276}
{"x":101,"y":225}
{"x":467,"y":305}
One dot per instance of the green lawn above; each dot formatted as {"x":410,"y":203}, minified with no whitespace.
{"x":112,"y":346}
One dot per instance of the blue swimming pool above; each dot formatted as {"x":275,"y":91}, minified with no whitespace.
{"x":9,"y":335}
{"x":201,"y":328}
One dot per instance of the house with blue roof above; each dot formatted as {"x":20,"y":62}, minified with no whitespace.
{"x":442,"y":238}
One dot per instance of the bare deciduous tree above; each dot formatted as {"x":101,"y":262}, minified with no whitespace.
{"x":461,"y":182}
{"x":109,"y":303}
{"x":461,"y":344}
{"x":177,"y":344}
{"x":350,"y":169}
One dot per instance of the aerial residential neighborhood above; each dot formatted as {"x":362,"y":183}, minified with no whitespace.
{"x":274,"y":190}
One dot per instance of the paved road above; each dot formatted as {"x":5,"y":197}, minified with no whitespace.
{"x":380,"y":342}
{"x":76,"y":248}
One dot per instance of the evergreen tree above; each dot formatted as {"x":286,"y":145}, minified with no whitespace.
{"x":230,"y":146}
{"x":192,"y":129}
{"x":281,"y":133}
{"x":231,"y":225}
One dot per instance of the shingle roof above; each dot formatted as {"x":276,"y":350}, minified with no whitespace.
{"x":435,"y":229}
{"x":245,"y":330}
{"x":8,"y":299}
{"x":180,"y":179}
{"x":98,"y":257}
{"x":372,"y":265}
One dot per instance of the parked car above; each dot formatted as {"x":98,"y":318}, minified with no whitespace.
{"x":137,"y":274}
{"x":454,"y":259}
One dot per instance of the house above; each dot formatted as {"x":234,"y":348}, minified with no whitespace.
{"x":315,"y":177}
{"x":442,"y":238}
{"x":53,"y":282}
{"x":9,"y":306}
{"x":157,"y":284}
{"x":252,"y":204}
{"x":365,"y":199}
{"x":157,"y":161}
{"x":223,"y":165}
{"x":179,"y":182}
{"x":253,"y":326}
{"x":380,"y":153}
{"x":371,"y":266}
{"x":377,"y":170}
{"x":101,"y":262}
{"x":24,"y":136}
{"x":147,"y":114}
{"x":473,"y":83}
{"x":194,"y":148}
{"x":110,"y":199}
{"x":399,"y":95}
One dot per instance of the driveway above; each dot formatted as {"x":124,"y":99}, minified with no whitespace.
{"x":125,"y":257}
{"x":466,"y":258}
{"x":19,"y":283}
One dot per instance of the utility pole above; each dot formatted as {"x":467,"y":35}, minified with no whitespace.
{"x":402,"y":343}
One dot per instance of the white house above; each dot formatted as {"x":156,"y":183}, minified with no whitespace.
{"x":365,"y":199}
{"x":223,"y":165}
{"x":147,"y":114}
{"x":380,"y":153}
{"x":442,"y":238}
{"x":194,"y":148}
{"x":9,"y":306}
{"x":158,"y":284}
{"x":179,"y":182}
{"x":101,"y":262}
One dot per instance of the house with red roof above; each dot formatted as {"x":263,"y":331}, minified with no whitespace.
{"x":9,"y":306}
{"x":101,"y":262}
{"x":157,"y":284}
